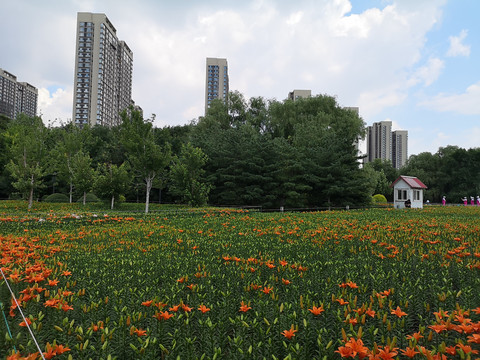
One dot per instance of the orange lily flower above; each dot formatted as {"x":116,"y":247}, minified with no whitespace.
{"x":174,"y":308}
{"x":140,"y":332}
{"x":387,"y":354}
{"x":66,"y":273}
{"x":186,"y":308}
{"x":23,"y":324}
{"x":66,"y":307}
{"x":417,"y":336}
{"x":203,"y":309}
{"x":53,"y":282}
{"x":244,"y":307}
{"x":316,"y":310}
{"x":289,"y":333}
{"x":474,"y":339}
{"x":33,"y":356}
{"x":163,"y":315}
{"x":267,"y":290}
{"x":147,"y":303}
{"x":285,"y":281}
{"x":477,"y":310}
{"x":398,"y":312}
{"x":357,"y":348}
{"x":467,"y":349}
{"x":451,"y":350}
{"x":409,"y":352}
{"x":345,"y":352}
{"x":438,"y":328}
{"x":342,"y":302}
{"x":49,"y":351}
{"x":60,"y":349}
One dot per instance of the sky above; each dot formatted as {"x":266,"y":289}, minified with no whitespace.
{"x":413,"y":62}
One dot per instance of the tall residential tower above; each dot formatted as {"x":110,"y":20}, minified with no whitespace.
{"x":384,"y":144}
{"x":399,"y":148}
{"x":216,"y":82}
{"x":16,"y":97}
{"x":103,"y":72}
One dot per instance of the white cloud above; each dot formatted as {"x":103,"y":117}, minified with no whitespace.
{"x":429,"y":73}
{"x":457,"y":48}
{"x":466,"y":103}
{"x":272,"y":48}
{"x":55,"y":108}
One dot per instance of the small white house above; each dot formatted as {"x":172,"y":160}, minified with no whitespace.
{"x":408,"y":188}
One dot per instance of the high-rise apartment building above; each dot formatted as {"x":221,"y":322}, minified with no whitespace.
{"x":103,"y":72}
{"x":16,"y":97}
{"x":384,"y":144}
{"x":379,"y":137}
{"x":216,"y":84}
{"x":299,"y":94}
{"x":399,"y":148}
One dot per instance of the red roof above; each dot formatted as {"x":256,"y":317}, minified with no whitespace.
{"x":411,"y":181}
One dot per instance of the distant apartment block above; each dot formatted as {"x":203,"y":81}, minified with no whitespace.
{"x":379,"y":137}
{"x":299,"y":94}
{"x":216,"y":82}
{"x":16,"y":97}
{"x":399,"y":148}
{"x":384,"y":144}
{"x":103,"y":72}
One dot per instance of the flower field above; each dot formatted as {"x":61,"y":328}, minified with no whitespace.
{"x":232,"y":284}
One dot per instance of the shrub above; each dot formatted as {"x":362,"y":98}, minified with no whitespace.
{"x":56,"y":198}
{"x":91,"y":198}
{"x":379,"y":199}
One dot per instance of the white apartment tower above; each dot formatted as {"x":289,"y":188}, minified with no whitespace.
{"x":103,"y":72}
{"x":399,"y":148}
{"x":216,"y":82}
{"x":16,"y":97}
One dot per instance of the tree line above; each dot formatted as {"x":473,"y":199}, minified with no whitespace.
{"x":259,"y":152}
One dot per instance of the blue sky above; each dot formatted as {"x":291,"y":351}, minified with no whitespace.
{"x":413,"y":62}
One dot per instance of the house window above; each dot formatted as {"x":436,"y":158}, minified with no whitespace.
{"x":401,"y":194}
{"x":416,"y":194}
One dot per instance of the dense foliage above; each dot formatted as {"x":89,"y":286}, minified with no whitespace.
{"x":452,"y":172}
{"x":211,"y":284}
{"x":263,"y":153}
{"x":269,"y":153}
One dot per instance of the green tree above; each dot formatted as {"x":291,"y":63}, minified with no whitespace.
{"x":146,"y":158}
{"x":186,"y":175}
{"x":425,"y":166}
{"x":5,"y":179}
{"x":70,"y":142}
{"x":83,"y":175}
{"x":112,"y":182}
{"x":377,"y":181}
{"x":25,"y":138}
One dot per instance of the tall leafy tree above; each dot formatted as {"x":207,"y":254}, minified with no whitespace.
{"x":63,"y":153}
{"x":186,"y":175}
{"x":83,"y":175}
{"x":147,"y":159}
{"x":112,"y":182}
{"x":27,"y":150}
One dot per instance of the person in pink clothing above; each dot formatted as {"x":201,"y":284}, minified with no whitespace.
{"x":465,"y":201}
{"x":444,"y":201}
{"x":472,"y":200}
{"x":478,"y":200}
